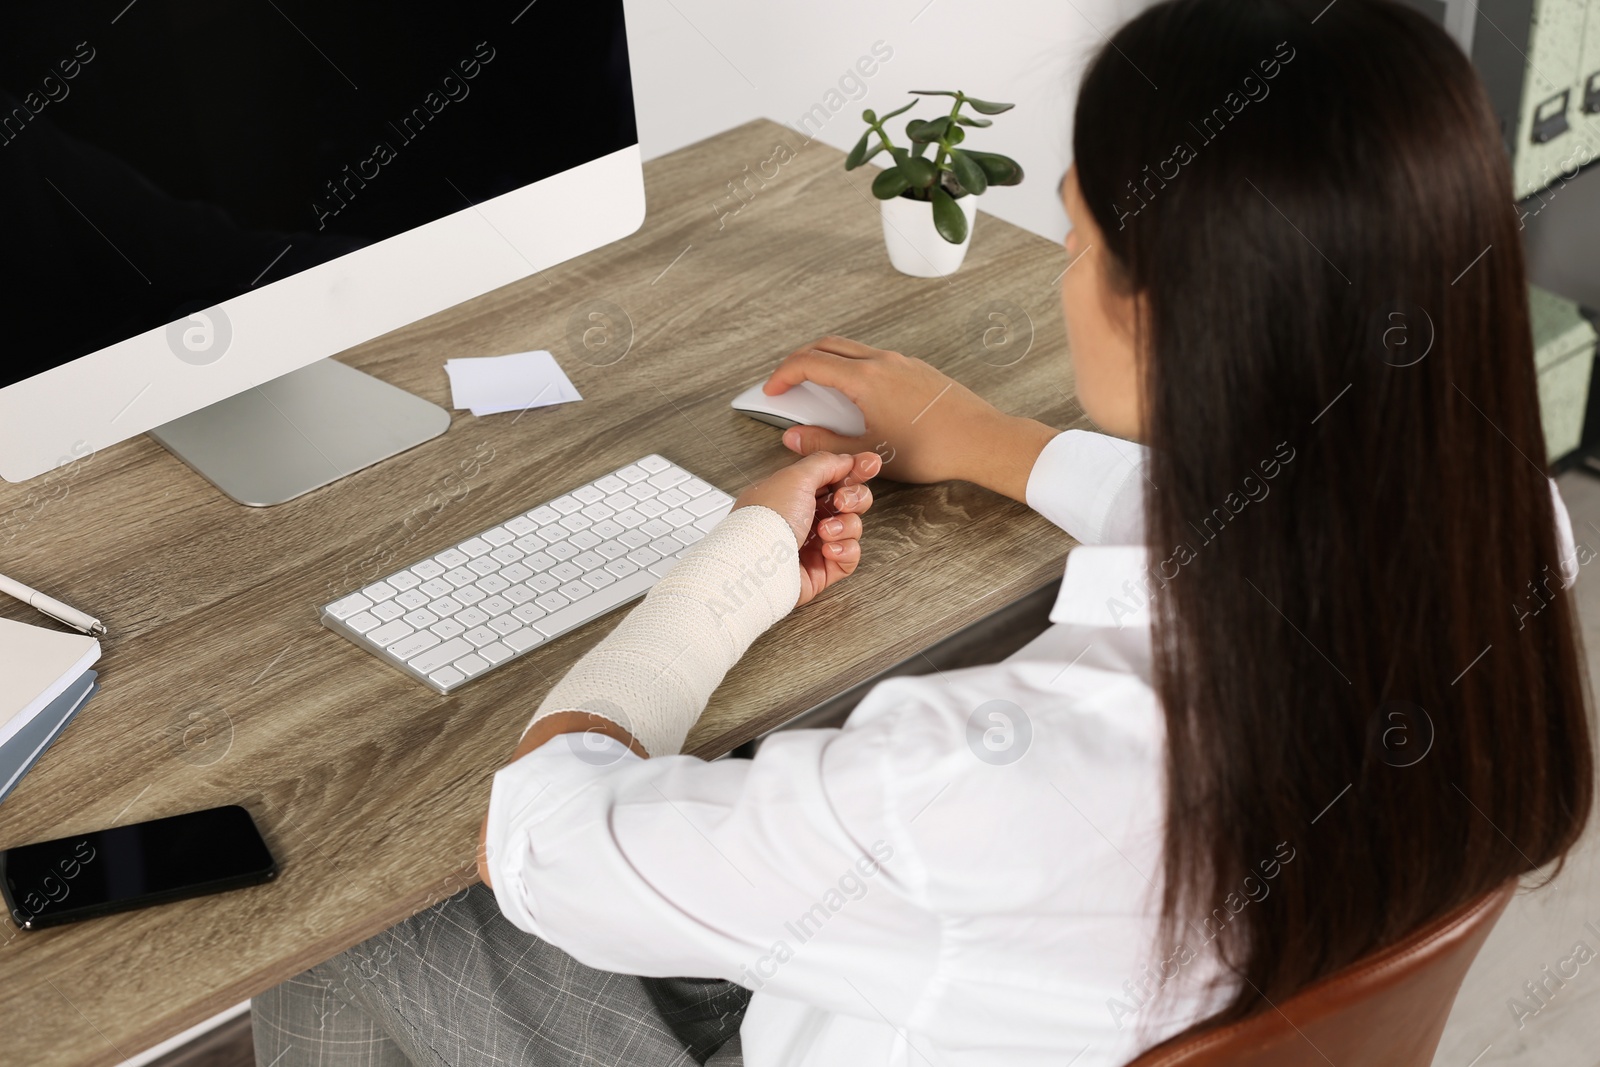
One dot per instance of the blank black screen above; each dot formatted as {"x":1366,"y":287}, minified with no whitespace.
{"x":129,"y":862}
{"x":160,"y":156}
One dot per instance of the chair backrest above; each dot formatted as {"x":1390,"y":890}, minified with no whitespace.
{"x":1386,"y":1010}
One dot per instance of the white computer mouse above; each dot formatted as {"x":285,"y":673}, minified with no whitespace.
{"x":805,"y":404}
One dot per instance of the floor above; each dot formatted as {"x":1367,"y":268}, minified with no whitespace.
{"x":1495,"y":1021}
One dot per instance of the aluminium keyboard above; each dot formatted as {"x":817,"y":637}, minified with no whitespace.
{"x":460,"y":613}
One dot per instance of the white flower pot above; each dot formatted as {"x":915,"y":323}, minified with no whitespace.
{"x":915,"y":247}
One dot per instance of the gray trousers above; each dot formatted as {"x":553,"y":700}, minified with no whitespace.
{"x":458,"y":986}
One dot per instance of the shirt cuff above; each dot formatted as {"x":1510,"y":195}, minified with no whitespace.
{"x":522,"y":795}
{"x":1091,"y":486}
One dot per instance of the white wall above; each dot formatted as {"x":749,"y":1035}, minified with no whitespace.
{"x":702,"y":66}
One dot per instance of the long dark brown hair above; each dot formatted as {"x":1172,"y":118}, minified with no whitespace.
{"x":1363,"y":651}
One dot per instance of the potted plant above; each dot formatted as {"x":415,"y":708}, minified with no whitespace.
{"x":929,"y":204}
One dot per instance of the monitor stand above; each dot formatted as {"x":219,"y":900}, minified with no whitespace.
{"x":299,"y":432}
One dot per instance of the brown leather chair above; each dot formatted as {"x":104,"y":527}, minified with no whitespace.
{"x":1387,"y":1010}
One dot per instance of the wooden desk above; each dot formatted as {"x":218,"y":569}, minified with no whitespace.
{"x":220,"y":686}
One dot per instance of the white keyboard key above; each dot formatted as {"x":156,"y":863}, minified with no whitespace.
{"x":610,"y":484}
{"x":643,"y":556}
{"x":544,"y":515}
{"x":481,"y":635}
{"x":475,"y":547}
{"x":665,"y":545}
{"x":447,"y":628}
{"x":494,"y":583}
{"x":528,"y":542}
{"x":484,"y":565}
{"x":389,"y":633}
{"x":407,"y":647}
{"x":421,"y":618}
{"x":519,"y":594}
{"x":427,"y":569}
{"x":343,"y":609}
{"x":515,"y":573}
{"x":612,"y":549}
{"x":504,"y":624}
{"x":653,"y":528}
{"x":589,"y":494}
{"x":576,"y":522}
{"x":362,"y":621}
{"x":436,"y":587}
{"x":378,"y":592}
{"x":521,"y":525}
{"x":654,"y":464}
{"x":678,"y":517}
{"x":622,"y":567}
{"x":441,"y":655}
{"x":447,"y":677}
{"x":642,"y":491}
{"x":668,"y":478}
{"x":605,"y":530}
{"x":707,"y":522}
{"x":552,"y":601}
{"x":563,"y":550}
{"x":471,"y":665}
{"x":495,"y":605}
{"x":704,"y":505}
{"x":469,"y":594}
{"x":661,"y":566}
{"x":524,"y":639}
{"x":460,"y":576}
{"x":507,"y":554}
{"x":470,"y":617}
{"x":412,"y":599}
{"x":651,"y":508}
{"x":498,"y":536}
{"x":629,"y":518}
{"x":598,"y":512}
{"x":633,"y":474}
{"x":689,"y":534}
{"x":529,"y":613}
{"x":584,"y":539}
{"x":403,"y":580}
{"x":634,"y":538}
{"x":566,"y":505}
{"x":575,"y":591}
{"x":588,"y":560}
{"x":566,"y":572}
{"x":445,"y":606}
{"x":598,"y":579}
{"x":695,"y":487}
{"x":451,"y":557}
{"x":388,"y":610}
{"x":674,"y":498}
{"x":540,"y":561}
{"x":542,"y":583}
{"x":495,"y":652}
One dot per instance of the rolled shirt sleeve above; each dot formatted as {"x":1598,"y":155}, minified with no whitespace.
{"x":1092,"y":486}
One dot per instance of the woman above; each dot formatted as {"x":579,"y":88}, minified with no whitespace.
{"x":1298,"y":701}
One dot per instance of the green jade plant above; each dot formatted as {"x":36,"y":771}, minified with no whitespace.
{"x":952,"y":172}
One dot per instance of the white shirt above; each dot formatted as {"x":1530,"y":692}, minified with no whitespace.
{"x":965,"y":873}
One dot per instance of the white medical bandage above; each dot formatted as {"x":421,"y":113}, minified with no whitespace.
{"x":653,"y":674}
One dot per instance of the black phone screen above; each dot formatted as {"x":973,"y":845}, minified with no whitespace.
{"x":125,"y":867}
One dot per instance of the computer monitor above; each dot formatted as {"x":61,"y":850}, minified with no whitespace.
{"x":206,"y":200}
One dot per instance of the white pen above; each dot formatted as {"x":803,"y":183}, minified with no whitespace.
{"x":52,"y":607}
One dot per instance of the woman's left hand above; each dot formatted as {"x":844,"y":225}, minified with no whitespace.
{"x":823,"y":497}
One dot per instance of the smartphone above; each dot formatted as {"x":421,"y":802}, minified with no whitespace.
{"x":79,"y":877}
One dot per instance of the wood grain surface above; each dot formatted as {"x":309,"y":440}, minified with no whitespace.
{"x":220,"y":686}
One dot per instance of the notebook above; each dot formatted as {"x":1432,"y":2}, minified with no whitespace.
{"x":36,"y":666}
{"x":18,"y":755}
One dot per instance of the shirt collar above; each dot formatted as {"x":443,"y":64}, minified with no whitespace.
{"x":1105,"y":586}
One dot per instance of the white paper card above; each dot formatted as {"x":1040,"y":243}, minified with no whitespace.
{"x":493,"y":384}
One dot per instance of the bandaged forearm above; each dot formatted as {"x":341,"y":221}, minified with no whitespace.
{"x":653,"y":674}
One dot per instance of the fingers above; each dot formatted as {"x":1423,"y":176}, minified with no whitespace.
{"x":844,"y":346}
{"x":821,"y":469}
{"x":843,"y":554}
{"x":808,"y":439}
{"x":852,"y":499}
{"x":842,"y":527}
{"x":810,"y":364}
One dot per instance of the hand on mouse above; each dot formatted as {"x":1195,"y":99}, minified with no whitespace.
{"x":823,"y":497}
{"x":925,"y":425}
